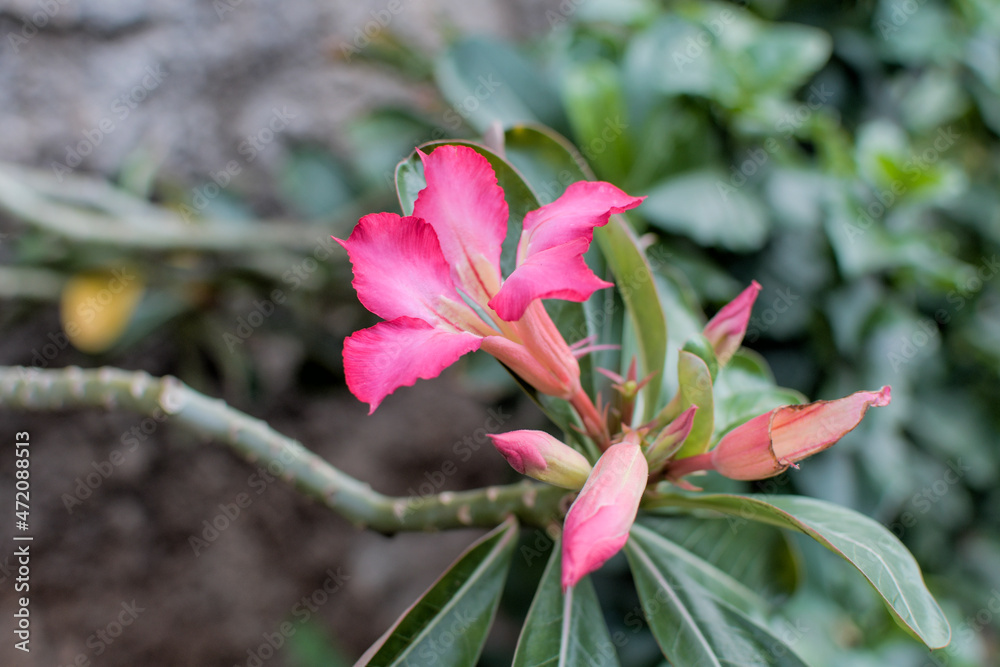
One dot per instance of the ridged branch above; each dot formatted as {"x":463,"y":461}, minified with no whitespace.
{"x":112,"y":388}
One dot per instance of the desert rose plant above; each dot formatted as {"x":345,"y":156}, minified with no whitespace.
{"x":514,"y":249}
{"x":435,"y":275}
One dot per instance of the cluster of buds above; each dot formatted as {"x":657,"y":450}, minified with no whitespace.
{"x":598,"y":522}
{"x":435,"y":278}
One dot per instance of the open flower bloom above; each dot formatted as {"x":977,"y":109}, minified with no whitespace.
{"x":769,"y":443}
{"x":435,"y":278}
{"x":598,"y":521}
{"x":725,"y":331}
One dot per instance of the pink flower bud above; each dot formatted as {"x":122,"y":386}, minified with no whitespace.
{"x":599,"y":520}
{"x":671,"y":439}
{"x":725,"y":331}
{"x":768,"y":444}
{"x":539,"y":455}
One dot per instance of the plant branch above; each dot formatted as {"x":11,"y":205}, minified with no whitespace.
{"x":91,"y":211}
{"x":111,"y":388}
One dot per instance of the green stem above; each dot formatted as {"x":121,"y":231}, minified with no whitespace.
{"x":111,"y":388}
{"x":133,"y":223}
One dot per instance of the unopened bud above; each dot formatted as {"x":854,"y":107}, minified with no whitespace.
{"x":541,"y":456}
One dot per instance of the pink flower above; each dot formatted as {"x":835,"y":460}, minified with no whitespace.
{"x":539,"y":455}
{"x":725,"y":331}
{"x":769,"y":443}
{"x":421,"y":272}
{"x":599,"y":520}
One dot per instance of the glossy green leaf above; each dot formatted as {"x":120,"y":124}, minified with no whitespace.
{"x":862,"y":541}
{"x":702,"y":348}
{"x":704,"y":206}
{"x":592,"y":92}
{"x":564,"y":630}
{"x":759,"y":556}
{"x":696,"y":389}
{"x":550,"y":161}
{"x":698,"y":614}
{"x":487,"y":80}
{"x":448,"y":625}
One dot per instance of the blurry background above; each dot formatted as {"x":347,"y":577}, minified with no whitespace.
{"x":171,"y":174}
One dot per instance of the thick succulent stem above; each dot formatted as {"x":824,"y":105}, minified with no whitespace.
{"x":111,"y":388}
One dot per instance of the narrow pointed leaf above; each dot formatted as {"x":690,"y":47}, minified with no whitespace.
{"x":564,"y":630}
{"x":862,"y":541}
{"x":448,"y":625}
{"x":688,"y":605}
{"x":759,"y":556}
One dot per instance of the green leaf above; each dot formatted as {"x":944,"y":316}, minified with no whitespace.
{"x":699,"y":346}
{"x":592,"y":92}
{"x":564,"y":630}
{"x":449,"y":623}
{"x":487,"y":80}
{"x":699,"y":615}
{"x":703,"y":206}
{"x":696,"y":389}
{"x":863,"y":542}
{"x":551,"y":161}
{"x":760,"y":557}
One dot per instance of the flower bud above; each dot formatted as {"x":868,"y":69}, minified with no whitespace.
{"x":671,"y":438}
{"x":598,"y":522}
{"x":541,"y":456}
{"x":769,"y":443}
{"x":725,"y":331}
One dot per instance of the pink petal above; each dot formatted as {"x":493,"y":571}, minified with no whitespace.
{"x":769,"y":443}
{"x":555,"y":273}
{"x":466,"y":207}
{"x":395,"y":354}
{"x":798,"y":431}
{"x":598,"y":522}
{"x":725,"y":331}
{"x":584,"y":205}
{"x":398,"y":267}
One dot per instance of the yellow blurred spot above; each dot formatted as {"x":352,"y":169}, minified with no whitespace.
{"x":96,"y":307}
